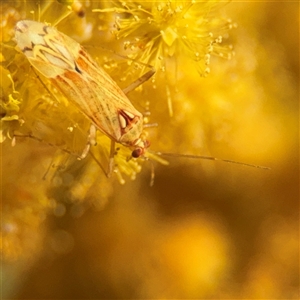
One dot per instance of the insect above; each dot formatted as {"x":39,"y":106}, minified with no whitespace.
{"x":70,"y":68}
{"x":85,"y":84}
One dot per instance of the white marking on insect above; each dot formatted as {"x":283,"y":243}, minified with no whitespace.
{"x":122,"y":121}
{"x":131,"y":116}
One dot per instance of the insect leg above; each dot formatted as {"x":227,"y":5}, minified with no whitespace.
{"x":91,"y":141}
{"x":111,"y":159}
{"x":92,"y":135}
{"x":139,"y":81}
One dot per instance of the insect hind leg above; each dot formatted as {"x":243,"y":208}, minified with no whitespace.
{"x":139,"y":81}
{"x":111,"y":161}
{"x":92,"y":142}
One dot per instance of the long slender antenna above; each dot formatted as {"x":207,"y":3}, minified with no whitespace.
{"x":208,"y":158}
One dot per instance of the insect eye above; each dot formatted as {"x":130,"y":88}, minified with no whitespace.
{"x":137,"y":152}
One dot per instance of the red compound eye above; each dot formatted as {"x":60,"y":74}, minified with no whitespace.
{"x":137,"y":152}
{"x":141,"y":150}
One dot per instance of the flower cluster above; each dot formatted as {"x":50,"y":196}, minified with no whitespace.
{"x":162,"y":29}
{"x":165,"y":33}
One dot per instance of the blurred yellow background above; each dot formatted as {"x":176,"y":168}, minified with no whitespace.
{"x":205,"y":229}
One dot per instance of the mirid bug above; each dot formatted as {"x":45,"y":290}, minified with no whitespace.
{"x":84,"y":83}
{"x":70,"y":68}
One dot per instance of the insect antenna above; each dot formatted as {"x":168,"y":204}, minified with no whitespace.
{"x":208,"y":158}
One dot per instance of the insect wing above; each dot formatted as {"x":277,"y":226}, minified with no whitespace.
{"x":44,"y":47}
{"x":83,"y":82}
